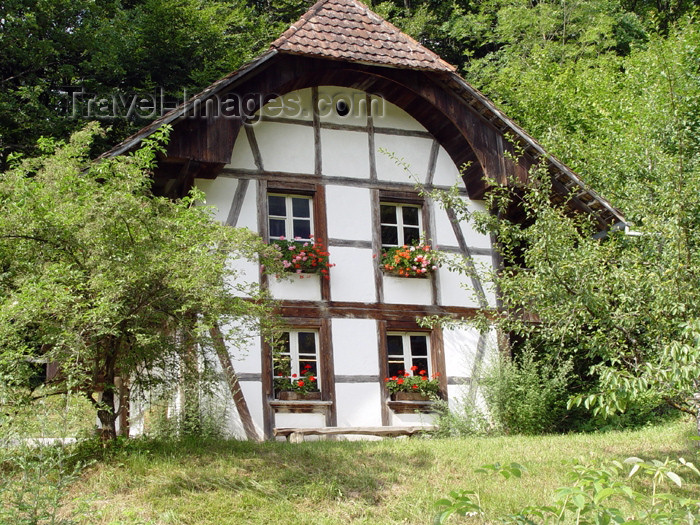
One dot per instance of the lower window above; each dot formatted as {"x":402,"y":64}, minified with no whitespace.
{"x":295,"y":362}
{"x":408,"y":353}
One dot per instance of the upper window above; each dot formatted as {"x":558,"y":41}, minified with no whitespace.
{"x":401,"y":224}
{"x":296,"y":359}
{"x":408,"y":350}
{"x":290,"y":216}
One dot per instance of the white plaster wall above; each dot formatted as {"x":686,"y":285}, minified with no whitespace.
{"x":387,"y":115}
{"x":460,"y":346}
{"x":412,"y":419}
{"x":285,"y":147}
{"x":456,"y":289}
{"x":248,"y":217}
{"x":406,"y":290}
{"x":219,"y":195}
{"x":348,"y":213}
{"x":252,"y":390}
{"x":246,"y":357}
{"x":242,"y":155}
{"x":355,"y":350}
{"x":446,"y":173}
{"x":344,"y":154}
{"x":246,"y":273}
{"x":295,"y":105}
{"x":414,"y":152}
{"x":358,"y":404}
{"x":307,"y":288}
{"x":352,"y":279}
{"x":443,"y":235}
{"x":286,"y":419}
{"x":328,"y":96}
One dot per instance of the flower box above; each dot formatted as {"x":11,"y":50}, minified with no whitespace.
{"x":288,"y":395}
{"x":418,"y":261}
{"x":409,"y":396}
{"x":303,"y":257}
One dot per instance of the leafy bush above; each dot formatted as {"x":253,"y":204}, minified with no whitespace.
{"x":527,"y":395}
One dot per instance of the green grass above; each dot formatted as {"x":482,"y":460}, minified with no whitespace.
{"x":330,"y":482}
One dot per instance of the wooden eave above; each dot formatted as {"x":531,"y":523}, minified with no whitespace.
{"x":465,"y":122}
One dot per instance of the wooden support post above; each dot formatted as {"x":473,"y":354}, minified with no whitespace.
{"x":233,"y":384}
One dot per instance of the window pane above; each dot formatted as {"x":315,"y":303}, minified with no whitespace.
{"x":282,"y":367}
{"x":388,"y":214}
{"x":421,"y":363}
{"x":276,"y":228}
{"x":411,"y":236}
{"x":311,"y":364}
{"x":419,"y":345}
{"x":300,"y":207}
{"x":390,"y":235}
{"x":394,"y":345}
{"x":395,"y":367}
{"x":410,"y":215}
{"x":302,"y":228}
{"x":307,"y":343}
{"x":276,"y":205}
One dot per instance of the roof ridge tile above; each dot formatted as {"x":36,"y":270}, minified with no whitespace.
{"x":349,"y":30}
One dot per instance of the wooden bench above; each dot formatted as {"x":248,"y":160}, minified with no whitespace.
{"x":296,"y":435}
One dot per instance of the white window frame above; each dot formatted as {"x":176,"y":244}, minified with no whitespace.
{"x":407,"y":357}
{"x":289,"y":217}
{"x":399,"y":221}
{"x":295,"y":356}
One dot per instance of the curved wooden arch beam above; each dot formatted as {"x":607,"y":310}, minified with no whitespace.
{"x":461,"y":130}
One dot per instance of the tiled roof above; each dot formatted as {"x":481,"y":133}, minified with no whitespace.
{"x":348,"y":30}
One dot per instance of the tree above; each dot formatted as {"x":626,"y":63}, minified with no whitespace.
{"x":103,"y":278}
{"x":622,"y":307}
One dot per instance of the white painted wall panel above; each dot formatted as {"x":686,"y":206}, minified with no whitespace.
{"x":252,"y":390}
{"x":406,"y":290}
{"x":329,"y":96}
{"x":349,"y":213}
{"x":444,"y":234}
{"x":352,"y":279}
{"x":306,"y":289}
{"x":358,"y":404}
{"x":456,"y":289}
{"x":247,"y":357}
{"x":295,"y":105}
{"x":345,"y":154}
{"x":355,"y":349}
{"x":412,"y":419}
{"x":460,"y":345}
{"x":219,"y":195}
{"x":387,"y":115}
{"x":286,"y":147}
{"x":248,"y":217}
{"x":285,"y":419}
{"x":242,"y":155}
{"x":412,"y":151}
{"x":484,"y":265}
{"x":246,"y":272}
{"x":446,"y":173}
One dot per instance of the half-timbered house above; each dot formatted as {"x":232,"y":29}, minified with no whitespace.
{"x":303,"y":143}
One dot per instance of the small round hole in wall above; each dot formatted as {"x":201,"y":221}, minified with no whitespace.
{"x":342,"y":108}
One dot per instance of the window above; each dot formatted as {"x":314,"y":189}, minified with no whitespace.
{"x":296,"y":356}
{"x":405,"y":350}
{"x":400,"y":223}
{"x":290,"y":216}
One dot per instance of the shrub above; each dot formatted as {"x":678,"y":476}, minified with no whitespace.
{"x":527,"y":395}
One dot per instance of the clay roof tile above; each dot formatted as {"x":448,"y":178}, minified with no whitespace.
{"x":348,"y":30}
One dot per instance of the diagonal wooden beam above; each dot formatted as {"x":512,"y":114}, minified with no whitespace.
{"x":233,"y":384}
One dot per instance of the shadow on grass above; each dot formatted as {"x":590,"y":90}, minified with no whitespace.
{"x":322,"y":469}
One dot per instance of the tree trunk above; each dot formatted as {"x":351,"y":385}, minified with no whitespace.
{"x":106,"y":412}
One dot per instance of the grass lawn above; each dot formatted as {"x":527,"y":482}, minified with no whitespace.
{"x":390,"y":481}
